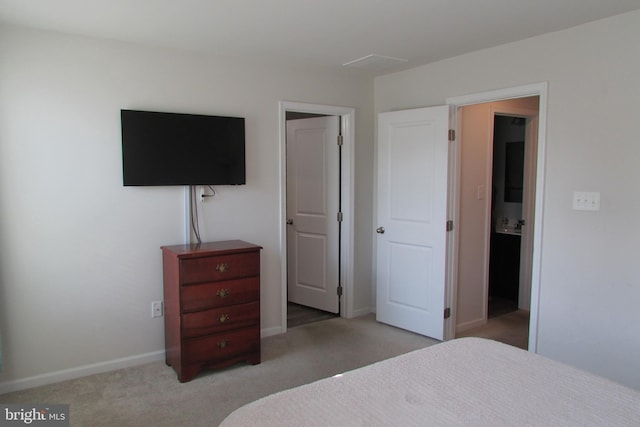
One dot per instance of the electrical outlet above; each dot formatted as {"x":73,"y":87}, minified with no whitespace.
{"x":156,"y":309}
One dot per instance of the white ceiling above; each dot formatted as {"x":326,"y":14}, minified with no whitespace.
{"x":318,"y":33}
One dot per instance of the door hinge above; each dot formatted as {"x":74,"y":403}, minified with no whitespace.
{"x":340,"y":140}
{"x":449,"y":225}
{"x":447,"y":312}
{"x":339,"y":291}
{"x":452,"y":135}
{"x":340,"y":216}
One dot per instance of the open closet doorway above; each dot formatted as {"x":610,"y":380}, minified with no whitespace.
{"x":313,"y":227}
{"x":497,"y":205}
{"x":317,"y":199}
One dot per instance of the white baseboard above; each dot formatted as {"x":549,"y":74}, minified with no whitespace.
{"x":111,"y":365}
{"x":470,"y":325}
{"x":363,"y":311}
{"x":276,"y":330}
{"x":81,"y":371}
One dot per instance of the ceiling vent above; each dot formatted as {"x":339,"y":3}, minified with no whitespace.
{"x":375,"y":62}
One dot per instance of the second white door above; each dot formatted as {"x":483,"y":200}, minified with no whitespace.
{"x":312,"y":212}
{"x":412,"y":216}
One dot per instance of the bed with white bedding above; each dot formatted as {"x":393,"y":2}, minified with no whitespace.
{"x":468,"y":381}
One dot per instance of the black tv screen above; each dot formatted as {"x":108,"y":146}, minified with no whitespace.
{"x":182,"y":149}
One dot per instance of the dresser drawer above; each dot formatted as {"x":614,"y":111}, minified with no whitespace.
{"x":220,"y":346}
{"x":219,"y":294}
{"x":220,"y":319}
{"x":222,"y":267}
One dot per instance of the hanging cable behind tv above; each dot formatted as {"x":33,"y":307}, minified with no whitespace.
{"x":193,"y":205}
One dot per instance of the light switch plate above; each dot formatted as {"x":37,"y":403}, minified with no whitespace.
{"x":586,"y":201}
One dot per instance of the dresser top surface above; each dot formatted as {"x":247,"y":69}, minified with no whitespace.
{"x":207,"y":248}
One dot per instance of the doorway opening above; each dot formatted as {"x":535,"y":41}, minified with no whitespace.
{"x":313,"y":157}
{"x":461,"y":285}
{"x":498,"y":203}
{"x":316,"y":213}
{"x":507,"y":321}
{"x":506,"y":214}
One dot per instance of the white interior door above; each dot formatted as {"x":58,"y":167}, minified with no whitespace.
{"x":412,"y":216}
{"x":312,"y":209}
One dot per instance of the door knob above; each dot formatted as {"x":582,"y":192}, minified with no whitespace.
{"x":380,"y":230}
{"x":289,"y":221}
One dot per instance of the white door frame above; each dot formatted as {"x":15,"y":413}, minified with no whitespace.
{"x":347,"y":115}
{"x":536,"y":89}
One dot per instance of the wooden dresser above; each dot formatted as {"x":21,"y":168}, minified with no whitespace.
{"x":211,"y":305}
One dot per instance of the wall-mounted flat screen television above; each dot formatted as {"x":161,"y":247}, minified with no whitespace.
{"x":182,"y":149}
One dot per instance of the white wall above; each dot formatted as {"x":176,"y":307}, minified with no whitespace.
{"x":590,"y":279}
{"x":80,"y":254}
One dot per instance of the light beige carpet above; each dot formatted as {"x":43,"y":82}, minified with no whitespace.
{"x":150,"y":395}
{"x":511,"y":328}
